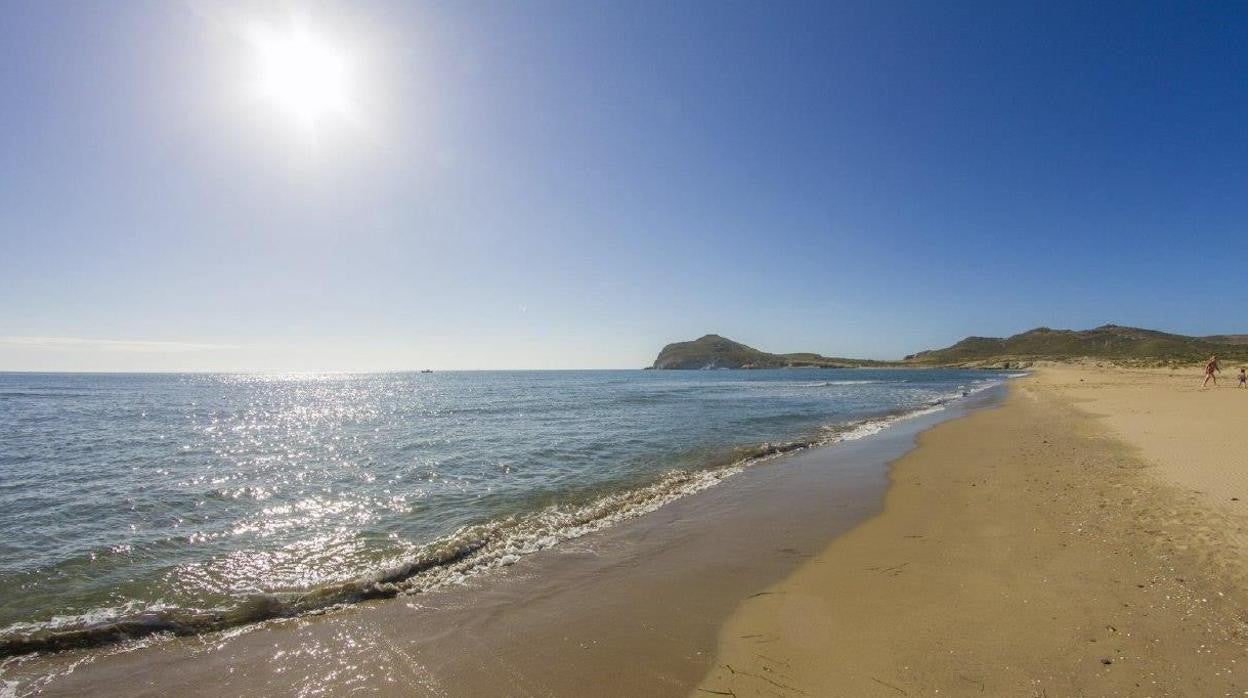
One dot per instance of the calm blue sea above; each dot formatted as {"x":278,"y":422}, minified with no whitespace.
{"x":132,"y":504}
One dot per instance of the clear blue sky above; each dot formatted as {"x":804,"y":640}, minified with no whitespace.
{"x":574,"y":184}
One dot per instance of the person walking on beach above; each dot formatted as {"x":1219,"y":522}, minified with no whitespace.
{"x":1210,"y":369}
{"x":1243,"y":378}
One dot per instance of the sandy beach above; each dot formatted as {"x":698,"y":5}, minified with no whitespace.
{"x":618,"y":349}
{"x":1084,"y":539}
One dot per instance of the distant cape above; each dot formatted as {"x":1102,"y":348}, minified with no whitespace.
{"x":713,"y":351}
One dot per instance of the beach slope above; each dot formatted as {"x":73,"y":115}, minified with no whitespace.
{"x":1059,"y":545}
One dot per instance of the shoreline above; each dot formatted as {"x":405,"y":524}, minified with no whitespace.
{"x":669,"y":579}
{"x":1044,"y":546}
{"x":1038,"y":549}
{"x":471,"y":551}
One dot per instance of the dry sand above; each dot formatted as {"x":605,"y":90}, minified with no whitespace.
{"x":1193,"y":437}
{"x":1081,"y":540}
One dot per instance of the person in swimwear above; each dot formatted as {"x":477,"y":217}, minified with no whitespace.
{"x":1210,"y":369}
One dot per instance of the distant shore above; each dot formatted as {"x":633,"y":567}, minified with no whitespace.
{"x":1086,"y":538}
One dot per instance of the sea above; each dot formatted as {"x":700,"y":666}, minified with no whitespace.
{"x":140,"y":504}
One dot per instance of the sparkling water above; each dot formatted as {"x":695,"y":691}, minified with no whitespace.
{"x":132,"y":504}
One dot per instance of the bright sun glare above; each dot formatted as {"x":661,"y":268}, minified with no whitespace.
{"x":301,"y":74}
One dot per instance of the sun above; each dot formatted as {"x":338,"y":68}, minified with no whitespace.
{"x":301,"y":74}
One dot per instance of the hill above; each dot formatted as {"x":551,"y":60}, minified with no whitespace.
{"x":1115,"y":343}
{"x":1227,"y":338}
{"x":1111,"y":342}
{"x":713,"y":351}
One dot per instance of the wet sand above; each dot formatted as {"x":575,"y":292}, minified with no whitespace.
{"x":1081,"y":540}
{"x":634,"y":610}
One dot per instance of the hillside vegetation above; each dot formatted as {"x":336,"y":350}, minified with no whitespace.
{"x":1109,"y":342}
{"x":1112,"y":342}
{"x":1227,"y":338}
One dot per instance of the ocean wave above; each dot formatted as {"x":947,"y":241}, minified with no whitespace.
{"x":466,"y":553}
{"x":470,"y":551}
